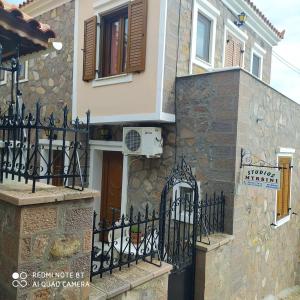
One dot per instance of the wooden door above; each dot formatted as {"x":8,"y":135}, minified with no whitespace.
{"x":57,"y":167}
{"x":111,"y":188}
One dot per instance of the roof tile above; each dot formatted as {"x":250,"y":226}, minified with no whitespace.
{"x":280,"y":34}
{"x":17,"y":13}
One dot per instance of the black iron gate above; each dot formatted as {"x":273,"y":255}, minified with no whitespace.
{"x":178,"y":230}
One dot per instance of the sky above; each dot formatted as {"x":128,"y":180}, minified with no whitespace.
{"x":284,"y":15}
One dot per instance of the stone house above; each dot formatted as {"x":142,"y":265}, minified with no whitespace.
{"x":46,"y":76}
{"x":188,"y":68}
{"x":193,"y":70}
{"x":167,"y":49}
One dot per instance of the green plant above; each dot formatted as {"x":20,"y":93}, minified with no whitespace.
{"x":135,"y":229}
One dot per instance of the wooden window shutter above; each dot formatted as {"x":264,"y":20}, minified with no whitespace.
{"x":137,"y":34}
{"x":237,"y":56}
{"x":283,"y":195}
{"x":233,"y":52}
{"x":229,"y":51}
{"x":89,"y":50}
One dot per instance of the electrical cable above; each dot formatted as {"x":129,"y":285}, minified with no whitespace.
{"x":286,"y":63}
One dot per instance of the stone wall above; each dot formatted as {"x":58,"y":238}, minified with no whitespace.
{"x":213,"y":276}
{"x":247,"y":114}
{"x":141,"y":281}
{"x":218,"y":114}
{"x":205,"y":134}
{"x":265,"y":259}
{"x":50,"y":72}
{"x":182,"y":42}
{"x":206,"y":120}
{"x":51,"y":236}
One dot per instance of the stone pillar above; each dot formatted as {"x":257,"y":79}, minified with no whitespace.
{"x":45,"y":242}
{"x":212,"y":280}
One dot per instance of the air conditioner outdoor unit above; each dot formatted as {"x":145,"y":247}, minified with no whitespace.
{"x":142,"y":141}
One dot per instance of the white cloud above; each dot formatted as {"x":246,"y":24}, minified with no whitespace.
{"x":285,"y":15}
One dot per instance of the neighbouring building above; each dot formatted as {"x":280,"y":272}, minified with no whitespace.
{"x":46,"y":77}
{"x":195,"y":70}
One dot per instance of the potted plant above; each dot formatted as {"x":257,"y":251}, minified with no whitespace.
{"x":136,"y":234}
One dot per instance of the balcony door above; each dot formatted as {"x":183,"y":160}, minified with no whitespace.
{"x":111,"y":187}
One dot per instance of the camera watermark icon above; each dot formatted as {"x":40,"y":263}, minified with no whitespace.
{"x":19,"y":279}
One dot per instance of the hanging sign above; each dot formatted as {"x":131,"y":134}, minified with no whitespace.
{"x":261,"y":177}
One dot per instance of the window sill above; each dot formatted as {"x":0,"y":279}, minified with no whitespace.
{"x":202,"y":63}
{"x":122,"y":78}
{"x":282,"y":221}
{"x":22,"y":81}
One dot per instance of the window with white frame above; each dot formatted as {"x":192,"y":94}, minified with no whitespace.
{"x":204,"y":34}
{"x":256,"y":65}
{"x":3,"y":77}
{"x":283,"y":196}
{"x":257,"y":55}
{"x":183,"y":202}
{"x":115,"y":41}
{"x":203,"y":38}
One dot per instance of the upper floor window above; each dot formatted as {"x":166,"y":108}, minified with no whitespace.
{"x":234,"y":46}
{"x":204,"y":35}
{"x":203,"y":38}
{"x":116,"y":44}
{"x":234,"y":52}
{"x":257,"y":55}
{"x":256,"y":65}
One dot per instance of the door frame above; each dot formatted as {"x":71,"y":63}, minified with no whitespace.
{"x":96,"y":166}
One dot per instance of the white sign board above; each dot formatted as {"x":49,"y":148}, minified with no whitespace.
{"x":261,"y":177}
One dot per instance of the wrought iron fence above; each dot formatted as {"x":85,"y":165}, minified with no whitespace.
{"x":211,"y":216}
{"x":122,"y":241}
{"x":48,"y":150}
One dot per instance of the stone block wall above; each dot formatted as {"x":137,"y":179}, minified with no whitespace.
{"x":213,"y":276}
{"x":207,"y":123}
{"x":140,"y":281}
{"x":50,"y":72}
{"x":52,"y":238}
{"x":218,"y":114}
{"x":265,"y":259}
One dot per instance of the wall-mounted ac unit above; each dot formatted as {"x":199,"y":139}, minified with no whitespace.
{"x":142,"y":141}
